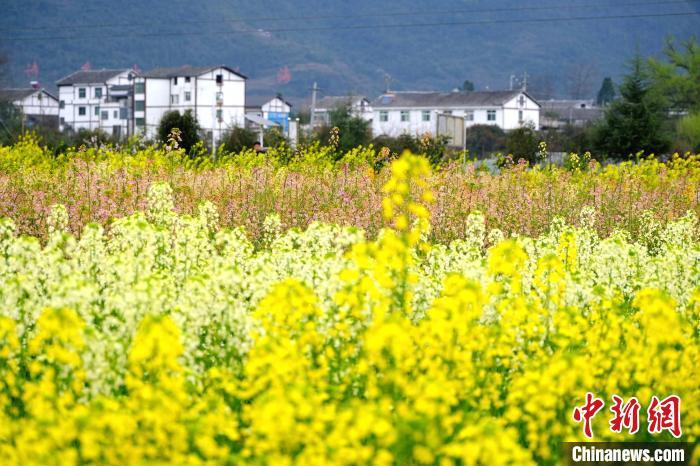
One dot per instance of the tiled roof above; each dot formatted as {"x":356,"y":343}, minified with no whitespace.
{"x":186,"y":71}
{"x":444,"y":99}
{"x":89,"y":77}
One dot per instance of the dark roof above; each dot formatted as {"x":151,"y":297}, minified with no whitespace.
{"x":575,"y":110}
{"x":445,"y":99}
{"x":256,"y":101}
{"x":186,"y":71}
{"x":334,"y":101}
{"x":10,"y":95}
{"x":89,"y":77}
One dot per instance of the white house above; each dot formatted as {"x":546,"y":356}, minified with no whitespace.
{"x":558,"y":114}
{"x":415,"y":113}
{"x":215,"y":94}
{"x":360,"y":106}
{"x":36,"y":104}
{"x":274,"y":109}
{"x":97,"y":99}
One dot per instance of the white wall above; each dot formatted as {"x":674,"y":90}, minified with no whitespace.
{"x":203,"y":92}
{"x":38,"y":103}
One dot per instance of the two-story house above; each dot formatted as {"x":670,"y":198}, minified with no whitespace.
{"x":274,"y":109}
{"x":415,"y":113}
{"x":97,"y":99}
{"x":37,"y":105}
{"x":214,"y":94}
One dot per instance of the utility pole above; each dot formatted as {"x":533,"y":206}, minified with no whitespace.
{"x":525,"y":81}
{"x":314,"y":91}
{"x":387,"y":81}
{"x":512,"y":78}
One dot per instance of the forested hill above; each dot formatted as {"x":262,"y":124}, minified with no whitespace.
{"x":283,"y":46}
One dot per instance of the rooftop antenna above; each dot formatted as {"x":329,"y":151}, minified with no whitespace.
{"x":525,"y":81}
{"x":387,"y":80}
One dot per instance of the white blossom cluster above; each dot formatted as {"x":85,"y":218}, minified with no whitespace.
{"x":209,"y":280}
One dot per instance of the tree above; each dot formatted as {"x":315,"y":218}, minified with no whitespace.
{"x":468,"y":86}
{"x":606,"y":94}
{"x":678,"y":80}
{"x":689,"y":132}
{"x":523,"y":143}
{"x":238,"y":139}
{"x":633,"y":123}
{"x":581,"y":80}
{"x":482,"y":140}
{"x":186,"y":123}
{"x":10,"y":123}
{"x":354,"y":131}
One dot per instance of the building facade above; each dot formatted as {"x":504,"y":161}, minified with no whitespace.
{"x":274,"y":109}
{"x":37,"y":105}
{"x":214,"y":94}
{"x":360,"y":107}
{"x":97,"y":100}
{"x":415,"y":113}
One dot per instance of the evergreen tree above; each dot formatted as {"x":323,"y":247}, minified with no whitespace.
{"x":468,"y":86}
{"x":633,"y":123}
{"x":606,"y":94}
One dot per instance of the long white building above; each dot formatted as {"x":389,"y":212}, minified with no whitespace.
{"x":415,"y":113}
{"x":36,"y":104}
{"x":97,"y":99}
{"x":214,"y":94}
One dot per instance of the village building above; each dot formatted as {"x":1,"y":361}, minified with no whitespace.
{"x":415,"y":113}
{"x":38,"y":106}
{"x":359,"y":106}
{"x":214,"y":94}
{"x":97,"y":100}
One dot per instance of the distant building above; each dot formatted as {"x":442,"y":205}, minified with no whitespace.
{"x":99,"y":99}
{"x":274,"y":109}
{"x":559,"y":113}
{"x":215,"y":94}
{"x":36,"y":104}
{"x":415,"y":113}
{"x":360,"y":106}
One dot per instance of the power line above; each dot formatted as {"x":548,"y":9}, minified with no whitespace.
{"x":363,"y":15}
{"x":374,"y":26}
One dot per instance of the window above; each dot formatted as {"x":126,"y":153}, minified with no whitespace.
{"x":139,"y":88}
{"x":405,"y":115}
{"x":81,"y":92}
{"x":175,"y":80}
{"x":187,"y":79}
{"x":81,"y":111}
{"x":115,"y":114}
{"x":383,"y":115}
{"x":520,"y":116}
{"x":141,"y":122}
{"x":105,"y":115}
{"x":426,"y":115}
{"x":447,"y":112}
{"x":188,"y":96}
{"x":469,"y":115}
{"x":139,"y":105}
{"x":97,"y":111}
{"x":62,"y":121}
{"x":219,"y":97}
{"x":491,"y":115}
{"x":174,"y":99}
{"x":219,"y":79}
{"x":522,"y":100}
{"x":219,"y":114}
{"x":98,"y":92}
{"x":62,"y":104}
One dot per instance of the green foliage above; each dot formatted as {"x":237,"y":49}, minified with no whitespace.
{"x":678,"y":79}
{"x":10,"y":123}
{"x":606,"y":94}
{"x":633,"y":123}
{"x":273,"y":137}
{"x":468,"y":86}
{"x":186,"y":123}
{"x":523,"y":143}
{"x":353,"y":131}
{"x":238,"y":139}
{"x":483,"y":140}
{"x":689,"y":132}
